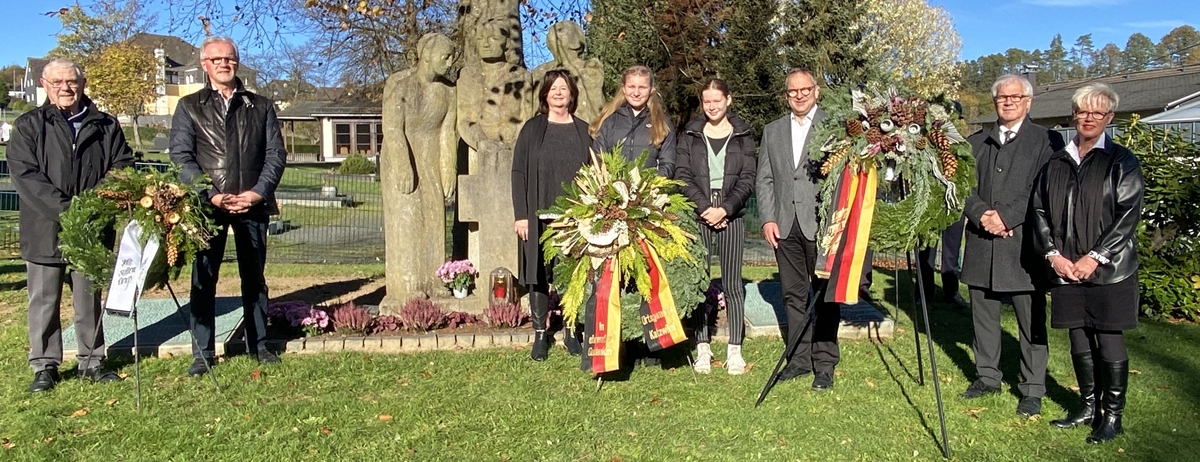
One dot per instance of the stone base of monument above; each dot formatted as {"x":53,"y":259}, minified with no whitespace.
{"x":162,"y":332}
{"x":765,"y":315}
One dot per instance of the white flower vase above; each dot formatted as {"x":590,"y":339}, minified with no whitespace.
{"x":459,"y":293}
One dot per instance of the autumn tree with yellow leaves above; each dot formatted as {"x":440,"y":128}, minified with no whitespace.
{"x":912,"y":44}
{"x":123,"y":79}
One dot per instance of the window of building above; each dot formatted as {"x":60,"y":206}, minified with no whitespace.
{"x":357,"y":137}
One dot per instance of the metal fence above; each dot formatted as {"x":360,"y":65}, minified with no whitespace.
{"x":327,"y":218}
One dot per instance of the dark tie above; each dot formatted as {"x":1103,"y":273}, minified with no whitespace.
{"x":1008,"y":136}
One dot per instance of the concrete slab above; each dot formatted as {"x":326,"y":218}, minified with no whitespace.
{"x":765,"y":315}
{"x":161,"y":330}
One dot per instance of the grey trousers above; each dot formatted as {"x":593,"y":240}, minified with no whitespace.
{"x":45,"y":329}
{"x":1030,"y":308}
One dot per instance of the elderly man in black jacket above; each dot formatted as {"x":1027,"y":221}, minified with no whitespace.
{"x":59,"y":150}
{"x":233,"y":136}
{"x":998,"y":264}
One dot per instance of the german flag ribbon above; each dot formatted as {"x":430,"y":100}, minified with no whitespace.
{"x":842,"y":250}
{"x":660,"y":319}
{"x":602,"y":322}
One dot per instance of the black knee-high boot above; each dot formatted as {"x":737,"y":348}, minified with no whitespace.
{"x":1115,"y":380}
{"x":539,"y":308}
{"x":1085,"y":374}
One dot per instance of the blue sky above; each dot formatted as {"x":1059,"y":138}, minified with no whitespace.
{"x":985,"y":26}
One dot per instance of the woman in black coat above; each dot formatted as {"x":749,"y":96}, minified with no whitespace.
{"x":1086,"y":204}
{"x":550,"y":149}
{"x":717,"y":166}
{"x":637,"y":119}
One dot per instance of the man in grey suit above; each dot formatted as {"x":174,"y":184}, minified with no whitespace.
{"x":787,"y":205}
{"x":997,"y":264}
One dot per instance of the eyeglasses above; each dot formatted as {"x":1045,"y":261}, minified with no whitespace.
{"x":794,"y":92}
{"x":222,"y":60}
{"x":1009,"y":98}
{"x":1096,"y":115}
{"x":61,"y":83}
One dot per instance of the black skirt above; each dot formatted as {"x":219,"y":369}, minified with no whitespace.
{"x":1103,"y":307}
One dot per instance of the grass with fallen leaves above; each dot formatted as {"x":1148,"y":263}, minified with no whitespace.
{"x":498,"y":405}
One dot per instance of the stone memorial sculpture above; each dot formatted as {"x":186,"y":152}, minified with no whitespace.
{"x":565,"y":41}
{"x":494,"y":101}
{"x":417,"y":170}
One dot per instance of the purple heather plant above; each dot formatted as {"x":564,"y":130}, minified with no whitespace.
{"x":421,"y":315}
{"x":504,"y":315}
{"x":458,"y":319}
{"x":714,"y":297}
{"x":350,"y":319}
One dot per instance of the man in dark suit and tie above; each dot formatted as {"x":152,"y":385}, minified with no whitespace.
{"x":787,"y":205}
{"x":997,"y":264}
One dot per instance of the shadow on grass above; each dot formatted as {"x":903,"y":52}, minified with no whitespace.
{"x":904,"y":391}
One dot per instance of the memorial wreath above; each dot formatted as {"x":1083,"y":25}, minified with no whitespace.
{"x":927,"y":170}
{"x":158,"y":201}
{"x":618,"y":227}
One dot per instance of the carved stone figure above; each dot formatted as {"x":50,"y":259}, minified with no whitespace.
{"x":417,"y":170}
{"x":473,"y":14}
{"x":495,"y":100}
{"x":565,"y":41}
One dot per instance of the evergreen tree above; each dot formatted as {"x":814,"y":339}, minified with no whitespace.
{"x":1083,"y":54}
{"x":824,"y":35}
{"x":1056,"y":60}
{"x":1140,"y":53}
{"x":747,"y":60}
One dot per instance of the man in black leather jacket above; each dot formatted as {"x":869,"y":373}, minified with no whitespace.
{"x":233,"y":136}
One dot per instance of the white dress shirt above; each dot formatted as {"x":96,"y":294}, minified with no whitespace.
{"x":1004,"y":132}
{"x":800,"y":129}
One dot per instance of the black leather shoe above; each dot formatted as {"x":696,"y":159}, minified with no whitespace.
{"x":44,"y":380}
{"x":789,"y":373}
{"x":574,"y":346}
{"x":99,"y":374}
{"x":822,"y":381}
{"x":200,"y":366}
{"x":541,"y":347}
{"x":1029,"y":407}
{"x":267,"y":357}
{"x":958,"y":302}
{"x":978,"y":389}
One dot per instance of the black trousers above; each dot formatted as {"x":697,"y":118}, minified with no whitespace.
{"x":250,"y":237}
{"x":952,"y":238}
{"x":818,"y":347}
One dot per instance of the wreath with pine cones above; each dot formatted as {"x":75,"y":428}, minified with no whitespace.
{"x":158,"y":201}
{"x":926,"y":166}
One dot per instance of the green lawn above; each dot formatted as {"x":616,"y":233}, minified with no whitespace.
{"x":498,"y":405}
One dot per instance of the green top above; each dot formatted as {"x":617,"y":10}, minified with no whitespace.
{"x":716,"y":161}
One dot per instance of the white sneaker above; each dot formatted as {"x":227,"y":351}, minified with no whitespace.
{"x":733,"y":360}
{"x":704,"y":358}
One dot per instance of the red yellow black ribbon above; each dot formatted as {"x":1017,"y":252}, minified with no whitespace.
{"x":660,"y":318}
{"x":602,"y":325}
{"x":842,"y":251}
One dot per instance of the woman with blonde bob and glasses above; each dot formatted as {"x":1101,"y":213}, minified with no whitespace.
{"x":1086,"y":204}
{"x":636,"y":119}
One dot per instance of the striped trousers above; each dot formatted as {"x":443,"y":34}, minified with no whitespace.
{"x":729,"y":244}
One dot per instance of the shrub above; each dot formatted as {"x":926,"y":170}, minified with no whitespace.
{"x":504,"y":315}
{"x":458,"y":319}
{"x":356,"y":165}
{"x":385,"y":323}
{"x":1170,"y":230}
{"x":350,"y":319}
{"x":421,"y":315}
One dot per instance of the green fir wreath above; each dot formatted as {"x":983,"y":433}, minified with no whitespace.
{"x":158,"y":201}
{"x":926,"y":170}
